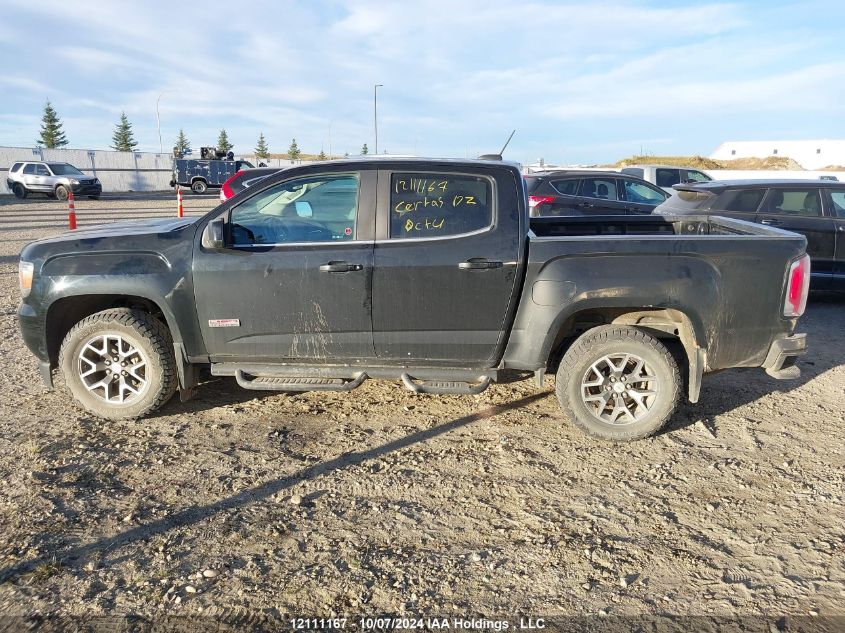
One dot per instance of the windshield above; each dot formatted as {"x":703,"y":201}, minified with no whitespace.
{"x":63,"y":169}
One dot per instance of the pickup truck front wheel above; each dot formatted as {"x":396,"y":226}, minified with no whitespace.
{"x":119,"y":364}
{"x":618,"y":383}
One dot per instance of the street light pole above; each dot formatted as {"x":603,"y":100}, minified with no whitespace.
{"x":158,"y":118}
{"x":375,"y":113}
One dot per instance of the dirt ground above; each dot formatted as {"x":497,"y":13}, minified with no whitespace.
{"x":252,"y":508}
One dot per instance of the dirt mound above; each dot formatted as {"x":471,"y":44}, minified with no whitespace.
{"x":702,"y":162}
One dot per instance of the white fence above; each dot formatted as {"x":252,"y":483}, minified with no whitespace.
{"x":118,"y":171}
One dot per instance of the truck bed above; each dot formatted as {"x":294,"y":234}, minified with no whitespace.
{"x":723,"y":274}
{"x":645,"y":225}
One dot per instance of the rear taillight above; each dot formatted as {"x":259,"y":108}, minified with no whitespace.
{"x":226,"y":191}
{"x":536,"y":201}
{"x":797,"y":288}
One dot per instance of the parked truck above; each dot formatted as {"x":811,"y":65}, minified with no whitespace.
{"x":666,"y":176}
{"x":426,"y":271}
{"x":201,"y":175}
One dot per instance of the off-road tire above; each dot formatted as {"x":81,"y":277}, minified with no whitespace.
{"x":199,"y":186}
{"x":61,"y":192}
{"x":144,"y":332}
{"x":607,"y":341}
{"x":20,"y":191}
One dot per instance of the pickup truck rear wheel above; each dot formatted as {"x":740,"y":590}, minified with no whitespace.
{"x":119,"y":363}
{"x":618,"y":383}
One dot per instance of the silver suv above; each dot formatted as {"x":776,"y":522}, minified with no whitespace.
{"x":51,"y":179}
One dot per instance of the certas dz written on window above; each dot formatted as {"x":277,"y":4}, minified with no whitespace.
{"x":438,"y":205}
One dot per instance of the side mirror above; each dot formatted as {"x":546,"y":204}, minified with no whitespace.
{"x":304,"y":210}
{"x":212,"y":236}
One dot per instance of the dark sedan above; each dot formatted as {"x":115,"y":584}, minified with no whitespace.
{"x":555,"y":193}
{"x":814,"y":208}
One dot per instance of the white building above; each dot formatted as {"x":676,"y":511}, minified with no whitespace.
{"x":808,"y":154}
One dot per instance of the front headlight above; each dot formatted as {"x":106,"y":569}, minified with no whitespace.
{"x":25,"y":270}
{"x":74,"y":181}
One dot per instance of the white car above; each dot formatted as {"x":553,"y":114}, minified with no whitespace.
{"x":52,"y":179}
{"x":666,"y":176}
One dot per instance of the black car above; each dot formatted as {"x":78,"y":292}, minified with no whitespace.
{"x":816,"y":209}
{"x":556,"y":193}
{"x":243,"y":179}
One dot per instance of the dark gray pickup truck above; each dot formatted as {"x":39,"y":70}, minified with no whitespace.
{"x":424,"y":271}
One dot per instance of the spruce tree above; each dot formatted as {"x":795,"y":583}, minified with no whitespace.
{"x":122,"y":139}
{"x":322,"y":156}
{"x":183,"y":145}
{"x":223,"y":143}
{"x":261,"y":149}
{"x":52,"y":135}
{"x":365,"y":150}
{"x":293,"y":151}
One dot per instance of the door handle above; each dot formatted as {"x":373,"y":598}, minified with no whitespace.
{"x":771,"y":222}
{"x":340,"y":267}
{"x":479,"y":264}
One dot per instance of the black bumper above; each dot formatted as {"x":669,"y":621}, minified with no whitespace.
{"x":87,"y":190}
{"x":780,"y":361}
{"x":32,"y":332}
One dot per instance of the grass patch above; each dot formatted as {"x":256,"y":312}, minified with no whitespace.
{"x":44,"y":571}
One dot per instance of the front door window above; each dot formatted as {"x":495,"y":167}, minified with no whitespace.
{"x":312,"y":209}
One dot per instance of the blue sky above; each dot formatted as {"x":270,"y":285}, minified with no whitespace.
{"x":580,"y":82}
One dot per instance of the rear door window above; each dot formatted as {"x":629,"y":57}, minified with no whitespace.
{"x":740,"y":200}
{"x":565,"y":187}
{"x":30,"y":169}
{"x":799,"y":201}
{"x":667,"y":177}
{"x":432,"y":205}
{"x":601,"y":188}
{"x":642,"y":193}
{"x":838,"y":200}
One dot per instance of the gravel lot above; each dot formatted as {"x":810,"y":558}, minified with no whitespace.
{"x":250,"y":508}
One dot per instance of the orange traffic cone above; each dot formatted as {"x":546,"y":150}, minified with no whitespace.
{"x":71,"y":211}
{"x":179,"y":201}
